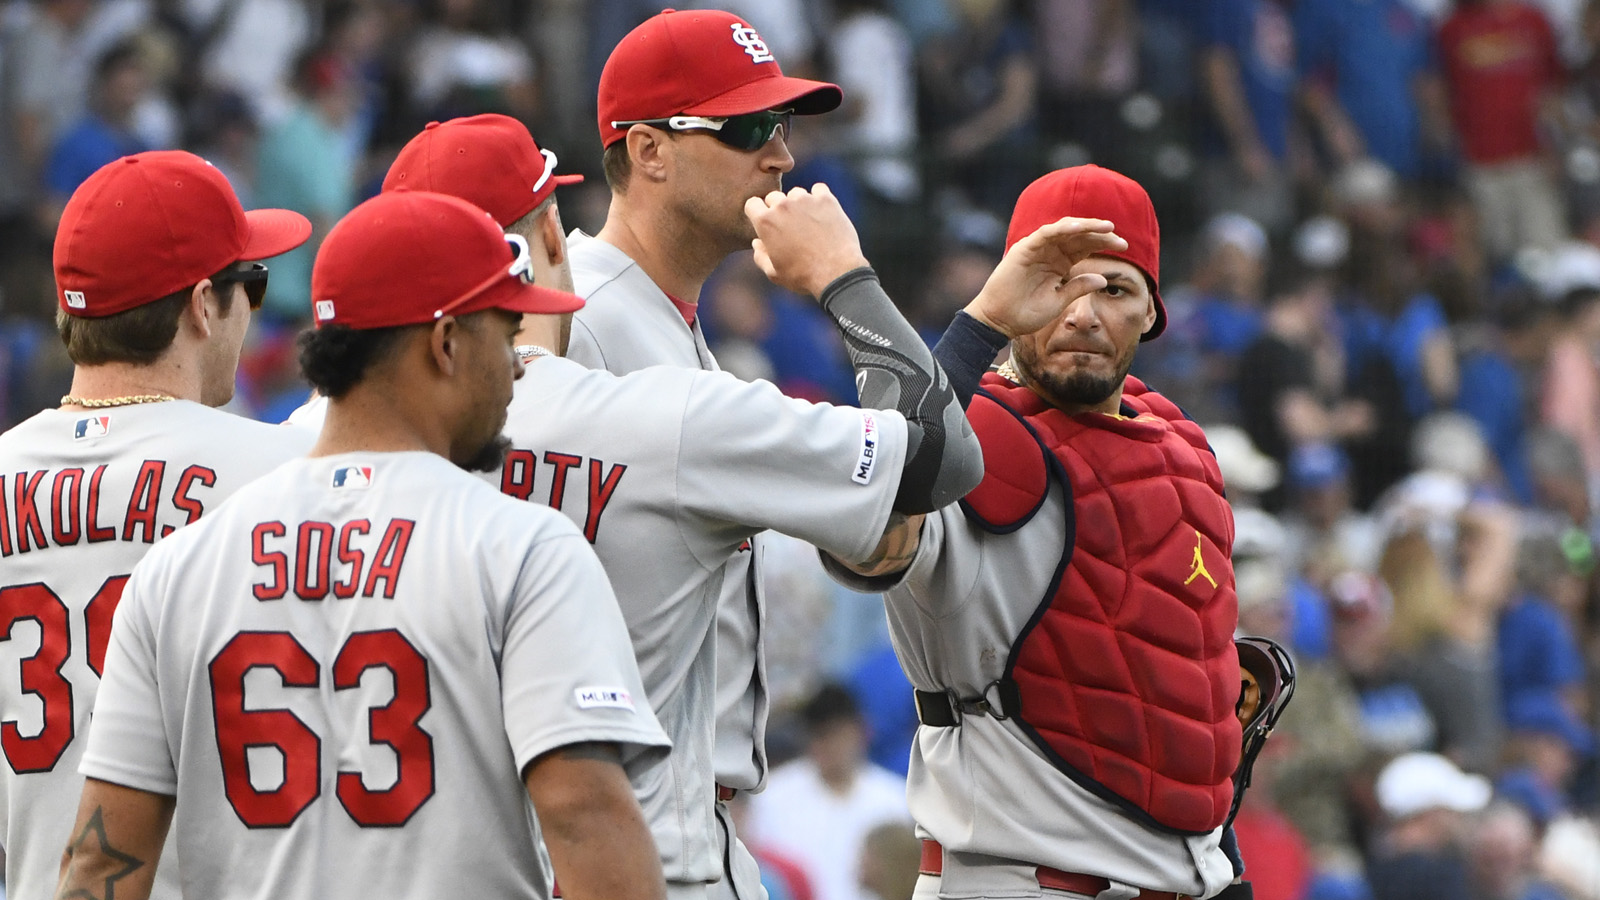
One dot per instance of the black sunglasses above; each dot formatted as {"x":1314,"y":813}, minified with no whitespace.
{"x":254,"y":280}
{"x":748,"y":132}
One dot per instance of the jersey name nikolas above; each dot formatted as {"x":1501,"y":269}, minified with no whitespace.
{"x":62,"y":507}
{"x":320,"y":558}
{"x":526,"y":471}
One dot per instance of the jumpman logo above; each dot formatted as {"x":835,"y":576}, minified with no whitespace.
{"x":1199,"y":562}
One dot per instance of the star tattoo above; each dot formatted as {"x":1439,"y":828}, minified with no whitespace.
{"x":95,"y":831}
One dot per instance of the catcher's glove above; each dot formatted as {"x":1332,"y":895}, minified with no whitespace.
{"x":1266,"y":674}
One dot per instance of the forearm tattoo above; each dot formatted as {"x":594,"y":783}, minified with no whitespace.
{"x":94,"y":866}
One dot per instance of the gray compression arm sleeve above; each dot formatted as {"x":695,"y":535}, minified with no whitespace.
{"x":895,"y":370}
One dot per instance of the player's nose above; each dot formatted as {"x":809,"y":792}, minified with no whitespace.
{"x":775,"y":155}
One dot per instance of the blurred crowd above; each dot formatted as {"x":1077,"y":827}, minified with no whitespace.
{"x":1382,"y":274}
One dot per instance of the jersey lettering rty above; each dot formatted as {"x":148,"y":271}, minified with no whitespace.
{"x":83,"y":497}
{"x":347,"y":662}
{"x":669,"y":472}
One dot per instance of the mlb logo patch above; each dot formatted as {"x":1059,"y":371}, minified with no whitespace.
{"x":75,"y":299}
{"x":352,"y":477}
{"x":91,"y":427}
{"x":324,"y":310}
{"x":603,"y":698}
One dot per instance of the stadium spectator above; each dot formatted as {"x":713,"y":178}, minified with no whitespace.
{"x":1369,"y":81}
{"x":818,"y":809}
{"x":1500,"y":65}
{"x":104,"y":133}
{"x":978,"y":92}
{"x":1249,"y":78}
{"x":305,"y":165}
{"x":1418,"y":857}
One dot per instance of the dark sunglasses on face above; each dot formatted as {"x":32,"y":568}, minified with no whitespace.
{"x":253,"y":278}
{"x":748,"y":132}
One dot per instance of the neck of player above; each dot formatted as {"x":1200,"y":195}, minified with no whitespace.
{"x":164,"y":377}
{"x":676,"y":255}
{"x":392,"y":409}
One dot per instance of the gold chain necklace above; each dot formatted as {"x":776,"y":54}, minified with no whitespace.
{"x":132,"y":400}
{"x":1008,"y":371}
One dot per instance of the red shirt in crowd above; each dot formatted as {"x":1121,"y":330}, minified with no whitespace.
{"x":1497,"y":57}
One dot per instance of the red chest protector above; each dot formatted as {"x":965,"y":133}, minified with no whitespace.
{"x":1126,"y":672}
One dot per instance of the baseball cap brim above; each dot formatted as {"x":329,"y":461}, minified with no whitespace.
{"x":274,"y":232}
{"x":804,"y":96}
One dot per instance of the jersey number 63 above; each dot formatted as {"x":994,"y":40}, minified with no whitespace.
{"x":394,"y":725}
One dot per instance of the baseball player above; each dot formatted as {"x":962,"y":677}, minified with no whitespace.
{"x":356,"y":674}
{"x":579,"y":434}
{"x":694,"y":113}
{"x":156,"y":280}
{"x":1069,"y":625}
{"x":668,"y":470}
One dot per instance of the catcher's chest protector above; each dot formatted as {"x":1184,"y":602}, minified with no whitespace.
{"x":1126,"y":672}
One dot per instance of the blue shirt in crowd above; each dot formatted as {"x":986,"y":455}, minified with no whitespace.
{"x":1371,"y":51}
{"x":83,"y":149}
{"x":1260,"y":37}
{"x":1537,"y":650}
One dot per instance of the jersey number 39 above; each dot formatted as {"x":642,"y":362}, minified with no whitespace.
{"x":40,"y":673}
{"x":394,"y":725}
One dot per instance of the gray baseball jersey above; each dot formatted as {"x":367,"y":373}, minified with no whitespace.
{"x":349,"y":665}
{"x":668,"y":471}
{"x":628,"y":324}
{"x":983,"y":790}
{"x":83,"y":497}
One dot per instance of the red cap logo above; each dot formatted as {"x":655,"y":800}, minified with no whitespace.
{"x":699,"y":63}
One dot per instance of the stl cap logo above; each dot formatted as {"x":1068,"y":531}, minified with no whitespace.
{"x":352,"y":477}
{"x":75,"y":300}
{"x":1199,"y":562}
{"x":324,"y":310}
{"x":92,"y":427}
{"x":746,"y":37}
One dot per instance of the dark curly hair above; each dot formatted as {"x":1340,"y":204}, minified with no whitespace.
{"x":335,"y":358}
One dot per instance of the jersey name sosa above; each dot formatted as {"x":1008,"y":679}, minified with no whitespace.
{"x":523,"y":469}
{"x":62,"y":507}
{"x":370,"y":559}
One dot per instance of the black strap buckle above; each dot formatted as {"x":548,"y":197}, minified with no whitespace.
{"x":1000,"y":700}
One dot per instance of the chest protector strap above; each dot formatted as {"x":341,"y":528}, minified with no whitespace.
{"x":1125,"y":677}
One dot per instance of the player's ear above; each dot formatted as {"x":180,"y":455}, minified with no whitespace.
{"x":444,"y":343}
{"x":195,"y":315}
{"x":647,"y":152}
{"x":555,"y":240}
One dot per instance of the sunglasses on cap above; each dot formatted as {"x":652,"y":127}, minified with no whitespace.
{"x":521,"y":268}
{"x":748,"y":132}
{"x":253,"y":278}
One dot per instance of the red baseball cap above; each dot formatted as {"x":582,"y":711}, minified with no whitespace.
{"x":150,"y":224}
{"x":490,"y":161}
{"x":1092,"y":192}
{"x":408,"y":257}
{"x":699,"y":63}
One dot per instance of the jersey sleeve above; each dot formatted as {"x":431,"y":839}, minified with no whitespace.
{"x":937,"y":581}
{"x":825,"y":474}
{"x":568,"y":673}
{"x":127,"y":742}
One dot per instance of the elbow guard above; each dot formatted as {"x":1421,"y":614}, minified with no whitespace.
{"x":895,"y":370}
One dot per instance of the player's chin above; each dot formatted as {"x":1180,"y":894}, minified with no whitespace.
{"x":489,"y":457}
